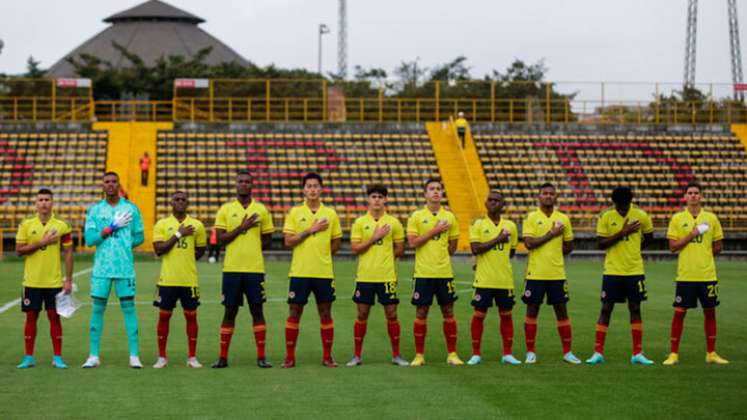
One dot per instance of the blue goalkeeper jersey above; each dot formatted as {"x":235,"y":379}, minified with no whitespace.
{"x":113,"y":257}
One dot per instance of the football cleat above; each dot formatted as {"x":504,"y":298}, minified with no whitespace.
{"x":454,"y":360}
{"x":531,"y":358}
{"x":474,"y":360}
{"x":91,"y":362}
{"x":672,"y":360}
{"x":161,"y":363}
{"x":399,"y":361}
{"x":289,"y":363}
{"x":263,"y":363}
{"x":596,"y":359}
{"x":713,"y":358}
{"x":135,"y":362}
{"x":330,"y":363}
{"x":355,"y":361}
{"x":192,"y":362}
{"x":509,"y":359}
{"x":640,"y":359}
{"x":419,"y":360}
{"x":571,"y":358}
{"x":58,"y":363}
{"x":220,"y":363}
{"x":27,"y":362}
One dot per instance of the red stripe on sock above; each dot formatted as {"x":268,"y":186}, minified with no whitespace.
{"x":450,"y":333}
{"x":419,"y":329}
{"x":530,"y":333}
{"x":291,"y":337}
{"x":226,"y":332}
{"x":394,"y":330}
{"x":260,"y":338}
{"x":564,"y":330}
{"x":599,"y":337}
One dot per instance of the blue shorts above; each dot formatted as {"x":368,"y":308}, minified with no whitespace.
{"x":237,"y":285}
{"x":484,"y":298}
{"x":426,"y":288}
{"x":688,"y":293}
{"x":101,"y":287}
{"x":167,"y":296}
{"x":555,"y":290}
{"x":301,"y":287}
{"x":386,"y":292}
{"x":34,"y":297}
{"x":618,"y":289}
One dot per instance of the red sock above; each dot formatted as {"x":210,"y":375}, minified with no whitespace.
{"x":359,"y":331}
{"x":677,"y":322}
{"x":260,"y":338}
{"x":327,"y":331}
{"x":478,"y":320}
{"x":291,"y":336}
{"x":507,"y":331}
{"x":530,"y":332}
{"x":226,"y":332}
{"x":55,"y":331}
{"x":636,"y":331}
{"x":394,"y":330}
{"x":29,"y":331}
{"x":710,"y":329}
{"x":450,"y":333}
{"x":600,"y":336}
{"x":191,"y":318}
{"x":420,"y":328}
{"x":564,"y":329}
{"x":162,"y":330}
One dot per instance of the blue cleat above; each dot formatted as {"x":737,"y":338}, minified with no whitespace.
{"x":58,"y":363}
{"x":595,"y":359}
{"x":509,"y":359}
{"x":571,"y":358}
{"x":474,"y":360}
{"x":27,"y":362}
{"x":640,"y":359}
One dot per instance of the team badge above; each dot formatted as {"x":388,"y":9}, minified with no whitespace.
{"x":158,"y":299}
{"x":478,"y":298}
{"x":291,"y":294}
{"x":416,"y":295}
{"x":357,"y":293}
{"x":26,"y":302}
{"x":604,"y":294}
{"x":678,"y":299}
{"x":527,"y":293}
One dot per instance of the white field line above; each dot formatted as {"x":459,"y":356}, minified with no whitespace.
{"x":13,"y":303}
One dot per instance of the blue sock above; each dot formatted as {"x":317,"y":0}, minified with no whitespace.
{"x":130,"y":319}
{"x":97,"y":324}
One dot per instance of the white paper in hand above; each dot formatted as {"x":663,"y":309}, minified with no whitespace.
{"x":66,"y":304}
{"x":703,"y":228}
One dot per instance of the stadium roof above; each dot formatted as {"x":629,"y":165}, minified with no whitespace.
{"x":150,"y":30}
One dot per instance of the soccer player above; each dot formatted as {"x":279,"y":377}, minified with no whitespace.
{"x":433,"y":232}
{"x":622,"y":231}
{"x":180,"y":241}
{"x":548,"y":237}
{"x":377,"y":239}
{"x":244,"y":227}
{"x":493,"y":241}
{"x":114,"y":226}
{"x":313,"y":231}
{"x":39,"y":240}
{"x":696,"y":235}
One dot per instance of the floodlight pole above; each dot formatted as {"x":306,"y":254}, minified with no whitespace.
{"x":323,"y":29}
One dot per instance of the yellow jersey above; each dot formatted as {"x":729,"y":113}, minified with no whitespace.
{"x":546,"y":262}
{"x":494,"y":267}
{"x":377,"y":263}
{"x":313,"y":256}
{"x":43,"y":269}
{"x":244,"y":253}
{"x":624,"y":257}
{"x":178,"y":266}
{"x":461,"y":123}
{"x":432,"y":259}
{"x":695,"y":261}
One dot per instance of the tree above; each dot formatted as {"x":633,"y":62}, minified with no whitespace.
{"x":33,"y":69}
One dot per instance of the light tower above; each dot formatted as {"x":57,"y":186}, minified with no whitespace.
{"x":342,"y":40}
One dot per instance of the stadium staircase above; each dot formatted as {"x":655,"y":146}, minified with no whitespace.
{"x":464,"y":180}
{"x":127,"y":143}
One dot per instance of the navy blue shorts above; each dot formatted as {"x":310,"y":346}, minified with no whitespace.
{"x":425,"y":288}
{"x":32,"y":298}
{"x":385,"y":292}
{"x":555,"y":290}
{"x":237,"y":285}
{"x":619,"y":289}
{"x":484,"y":298}
{"x":167,"y":296}
{"x":688,"y":293}
{"x":301,"y":287}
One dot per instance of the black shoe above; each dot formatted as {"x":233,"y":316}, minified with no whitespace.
{"x":220,"y":364}
{"x":263,"y":363}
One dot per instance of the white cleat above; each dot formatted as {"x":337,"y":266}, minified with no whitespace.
{"x":509,"y":359}
{"x":135,"y":362}
{"x":531,"y":358}
{"x":474,"y":360}
{"x":161,"y":363}
{"x":193,"y":363}
{"x":571,"y":358}
{"x":91,"y":362}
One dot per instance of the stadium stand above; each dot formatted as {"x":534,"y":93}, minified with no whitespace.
{"x":204,"y":165}
{"x":586,"y":167}
{"x":69,"y":163}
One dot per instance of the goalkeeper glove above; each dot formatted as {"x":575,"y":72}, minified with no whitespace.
{"x":121,"y":219}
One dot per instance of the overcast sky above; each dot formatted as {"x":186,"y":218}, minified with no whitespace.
{"x":580,"y":40}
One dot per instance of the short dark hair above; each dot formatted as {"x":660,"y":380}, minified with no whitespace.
{"x":243,"y":172}
{"x":44,"y":191}
{"x":693,"y":184}
{"x":622,"y":195}
{"x":377,"y":188}
{"x":311,"y":175}
{"x":431,"y":181}
{"x":110,"y":173}
{"x":547,"y":185}
{"x":179,"y":192}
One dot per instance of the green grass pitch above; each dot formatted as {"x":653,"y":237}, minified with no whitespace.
{"x":377,"y":389}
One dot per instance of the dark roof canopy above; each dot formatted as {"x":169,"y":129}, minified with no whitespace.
{"x":154,"y":10}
